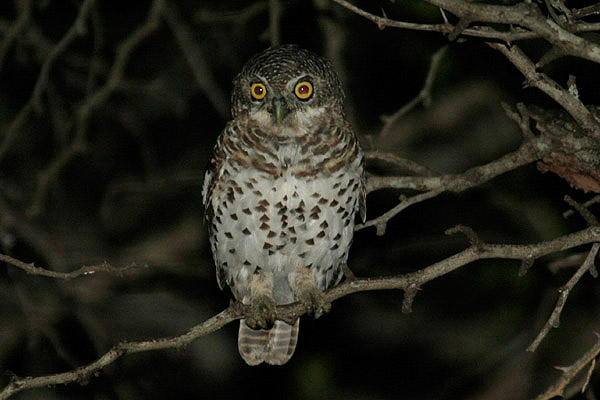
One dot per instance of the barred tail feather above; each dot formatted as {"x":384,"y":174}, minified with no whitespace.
{"x":274,"y":346}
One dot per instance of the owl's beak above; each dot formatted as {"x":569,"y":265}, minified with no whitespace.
{"x":280,"y":110}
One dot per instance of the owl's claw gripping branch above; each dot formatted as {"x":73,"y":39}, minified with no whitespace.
{"x":311,"y":298}
{"x":314,"y":303}
{"x":262,"y":314}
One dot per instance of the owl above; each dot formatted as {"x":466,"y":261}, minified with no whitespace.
{"x":284,"y":184}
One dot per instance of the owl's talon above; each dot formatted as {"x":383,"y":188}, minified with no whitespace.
{"x":315,"y":304}
{"x":263,"y":313}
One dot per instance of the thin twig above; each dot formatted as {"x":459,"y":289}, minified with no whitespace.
{"x":568,"y":373}
{"x":543,"y":82}
{"x":195,"y":58}
{"x":586,"y":204}
{"x":20,"y":384}
{"x":589,"y":218}
{"x":380,"y":223}
{"x":403,"y":163}
{"x":424,"y":95}
{"x":115,"y":77}
{"x":31,"y":269}
{"x":554,"y":319}
{"x":521,"y":117}
{"x":432,"y":186}
{"x":239,"y":17}
{"x":34,"y":102}
{"x":22,"y":21}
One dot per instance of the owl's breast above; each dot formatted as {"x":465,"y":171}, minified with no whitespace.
{"x":282,"y":223}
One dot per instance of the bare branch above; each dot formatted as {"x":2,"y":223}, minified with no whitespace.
{"x":590,"y":219}
{"x":424,"y":95}
{"x":404,"y":163}
{"x":469,"y":233}
{"x":593,"y":200}
{"x":586,"y":11}
{"x":530,"y":22}
{"x":554,"y":320}
{"x":381,"y":222}
{"x":568,"y":373}
{"x":410,"y":283}
{"x":529,"y":16}
{"x":20,"y":384}
{"x":543,"y":82}
{"x":34,"y":102}
{"x":22,"y":21}
{"x":197,"y":61}
{"x":482,"y":32}
{"x":78,"y":144}
{"x":528,"y":152}
{"x":31,"y":269}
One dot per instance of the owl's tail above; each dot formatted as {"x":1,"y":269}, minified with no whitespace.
{"x":274,"y":346}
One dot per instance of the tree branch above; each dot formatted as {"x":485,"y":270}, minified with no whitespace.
{"x":530,"y":151}
{"x":543,"y":82}
{"x":78,"y":144}
{"x":554,"y":319}
{"x":481,"y":32}
{"x":521,"y":14}
{"x":31,"y":269}
{"x":22,"y":21}
{"x":34,"y":102}
{"x":568,"y":373}
{"x":196,"y":59}
{"x":82,"y":373}
{"x":408,"y":282}
{"x":424,"y":95}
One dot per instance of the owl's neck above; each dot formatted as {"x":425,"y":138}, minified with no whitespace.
{"x":311,"y":151}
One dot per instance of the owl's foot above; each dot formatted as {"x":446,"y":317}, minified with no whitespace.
{"x":314,"y":302}
{"x":263,"y":313}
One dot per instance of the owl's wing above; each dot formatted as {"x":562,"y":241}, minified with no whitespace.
{"x":356,"y":152}
{"x":212,"y":176}
{"x":215,"y":168}
{"x":362,"y":201}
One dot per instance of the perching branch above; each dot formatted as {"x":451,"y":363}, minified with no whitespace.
{"x":410,"y":283}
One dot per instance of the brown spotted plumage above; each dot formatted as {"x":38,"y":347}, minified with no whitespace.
{"x":284,"y":185}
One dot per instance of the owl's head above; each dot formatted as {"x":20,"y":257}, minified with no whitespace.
{"x":286,"y":85}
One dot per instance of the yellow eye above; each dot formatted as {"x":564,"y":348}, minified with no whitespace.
{"x":303,"y":90}
{"x":258,"y":91}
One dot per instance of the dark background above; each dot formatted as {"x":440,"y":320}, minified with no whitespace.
{"x":133,"y":196}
